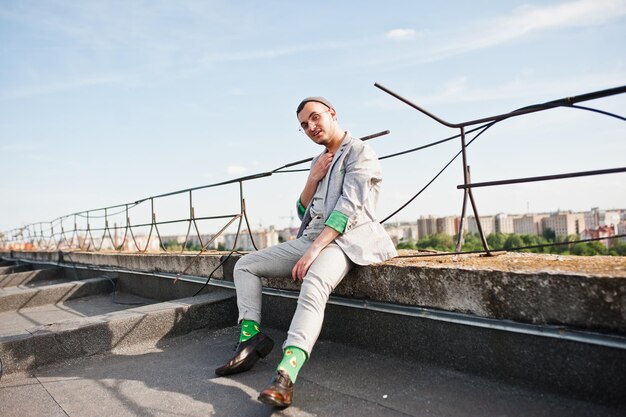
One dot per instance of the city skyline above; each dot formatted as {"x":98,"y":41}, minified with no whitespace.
{"x":561,"y":223}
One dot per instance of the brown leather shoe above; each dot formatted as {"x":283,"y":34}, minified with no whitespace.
{"x":280,"y":392}
{"x":247,"y":354}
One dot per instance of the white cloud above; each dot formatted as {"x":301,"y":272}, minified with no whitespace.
{"x":529,"y":19}
{"x":401,"y":34}
{"x":575,"y":13}
{"x":236,"y":170}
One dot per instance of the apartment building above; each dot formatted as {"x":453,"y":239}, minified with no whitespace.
{"x":488,"y":224}
{"x":529,"y":224}
{"x":505,"y":223}
{"x":401,"y":232}
{"x":597,"y":218}
{"x":426,"y":225}
{"x":564,"y":223}
{"x":448,"y":225}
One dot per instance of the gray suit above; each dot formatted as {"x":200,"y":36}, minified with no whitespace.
{"x":352,"y":188}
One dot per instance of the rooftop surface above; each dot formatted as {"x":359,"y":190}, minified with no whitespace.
{"x":175,"y":378}
{"x":107,"y":334}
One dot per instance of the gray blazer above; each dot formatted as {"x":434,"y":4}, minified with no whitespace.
{"x":353,"y":186}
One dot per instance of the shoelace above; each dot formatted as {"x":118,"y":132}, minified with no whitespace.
{"x":282,"y":378}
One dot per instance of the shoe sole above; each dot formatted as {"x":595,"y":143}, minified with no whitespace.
{"x":269,"y":400}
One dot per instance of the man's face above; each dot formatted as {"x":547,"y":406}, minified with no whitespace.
{"x":317,"y":121}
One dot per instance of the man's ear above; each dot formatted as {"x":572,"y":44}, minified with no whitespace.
{"x":333,"y":113}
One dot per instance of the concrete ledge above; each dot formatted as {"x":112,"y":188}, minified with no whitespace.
{"x":201,"y":266}
{"x":578,"y":300}
{"x":577,"y":292}
{"x":15,"y":298}
{"x":109,"y":332}
{"x":547,"y":298}
{"x":36,"y":257}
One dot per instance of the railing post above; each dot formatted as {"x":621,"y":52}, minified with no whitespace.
{"x":468,"y":194}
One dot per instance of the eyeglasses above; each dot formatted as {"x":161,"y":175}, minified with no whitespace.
{"x":315,"y":118}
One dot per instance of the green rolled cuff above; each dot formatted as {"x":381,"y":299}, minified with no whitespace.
{"x":301,"y":208}
{"x":337,"y":220}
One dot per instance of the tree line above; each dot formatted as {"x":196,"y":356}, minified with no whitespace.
{"x":510,"y":241}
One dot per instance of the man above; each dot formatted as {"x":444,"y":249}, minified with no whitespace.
{"x":339,"y":229}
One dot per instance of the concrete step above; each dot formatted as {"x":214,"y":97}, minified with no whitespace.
{"x":28,"y":349}
{"x":15,"y":268}
{"x":46,"y":316}
{"x":32,"y":278}
{"x":17,"y":298}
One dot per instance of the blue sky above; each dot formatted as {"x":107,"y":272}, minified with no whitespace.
{"x":108,"y":102}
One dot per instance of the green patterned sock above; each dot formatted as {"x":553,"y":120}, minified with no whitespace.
{"x":249,"y":328}
{"x":293,"y":359}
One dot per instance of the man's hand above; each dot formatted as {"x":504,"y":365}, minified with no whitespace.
{"x":318,"y":171}
{"x":320,"y":168}
{"x":302,"y":266}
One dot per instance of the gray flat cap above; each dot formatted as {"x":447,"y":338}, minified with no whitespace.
{"x":318,"y":99}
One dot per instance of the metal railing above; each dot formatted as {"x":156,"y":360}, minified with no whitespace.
{"x":54,"y":236}
{"x":486,"y":123}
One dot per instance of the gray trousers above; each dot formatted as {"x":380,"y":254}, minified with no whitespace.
{"x":323,"y":276}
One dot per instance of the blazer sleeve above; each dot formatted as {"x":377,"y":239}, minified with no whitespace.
{"x":301,"y":209}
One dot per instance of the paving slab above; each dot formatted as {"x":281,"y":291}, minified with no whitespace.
{"x":25,"y":396}
{"x":174,"y":377}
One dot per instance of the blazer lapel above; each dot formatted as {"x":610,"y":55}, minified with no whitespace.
{"x":340,"y":151}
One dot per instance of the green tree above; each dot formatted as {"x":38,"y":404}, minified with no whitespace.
{"x":513,"y":241}
{"x":588,"y":249}
{"x":472,"y":242}
{"x":496,"y":240}
{"x":438,"y":241}
{"x":618,"y":248}
{"x":195,"y":247}
{"x":549,"y":234}
{"x":535,"y":240}
{"x":406,"y":245}
{"x":172,"y":245}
